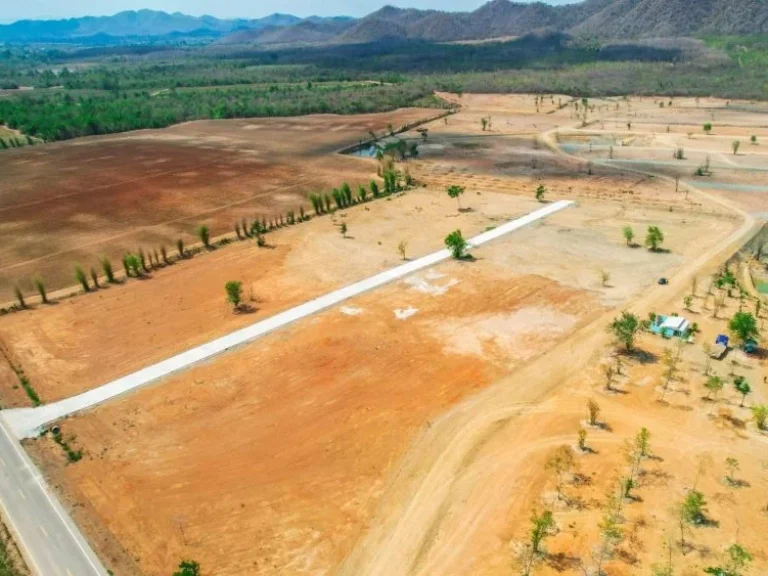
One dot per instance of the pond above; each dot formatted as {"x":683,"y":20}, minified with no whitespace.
{"x":365,"y":151}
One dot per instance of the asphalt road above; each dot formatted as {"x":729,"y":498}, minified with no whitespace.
{"x":49,"y":540}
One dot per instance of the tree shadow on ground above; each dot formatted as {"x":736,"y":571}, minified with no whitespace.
{"x":641,"y":356}
{"x":737,"y":483}
{"x":602,"y":425}
{"x":562,"y":562}
{"x":245,"y":309}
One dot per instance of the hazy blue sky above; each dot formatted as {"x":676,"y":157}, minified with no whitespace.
{"x":17,"y":10}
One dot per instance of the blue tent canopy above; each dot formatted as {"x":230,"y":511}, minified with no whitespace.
{"x":722,"y":339}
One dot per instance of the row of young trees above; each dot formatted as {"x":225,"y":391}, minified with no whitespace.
{"x":141,"y":263}
{"x":344,"y":197}
{"x":687,"y":513}
{"x":9,"y":142}
{"x":135,"y":265}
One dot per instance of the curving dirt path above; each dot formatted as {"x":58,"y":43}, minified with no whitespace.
{"x":418,"y":495}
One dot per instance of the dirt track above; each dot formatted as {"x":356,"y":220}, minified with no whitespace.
{"x":419,"y":497}
{"x":369,"y":442}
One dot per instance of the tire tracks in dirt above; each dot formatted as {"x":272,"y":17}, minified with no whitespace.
{"x":418,"y":494}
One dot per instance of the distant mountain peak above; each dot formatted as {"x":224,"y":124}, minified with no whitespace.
{"x":608,"y":19}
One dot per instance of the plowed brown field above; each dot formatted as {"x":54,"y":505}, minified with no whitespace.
{"x":73,"y":202}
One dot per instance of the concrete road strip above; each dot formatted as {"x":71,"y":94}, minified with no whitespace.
{"x":48,"y":539}
{"x":27,"y":422}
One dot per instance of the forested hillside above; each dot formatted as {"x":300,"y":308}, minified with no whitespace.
{"x":603,"y":19}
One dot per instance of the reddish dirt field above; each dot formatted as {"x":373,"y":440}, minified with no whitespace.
{"x":301,"y":409}
{"x":406,"y":431}
{"x":74,"y":202}
{"x":311,"y":420}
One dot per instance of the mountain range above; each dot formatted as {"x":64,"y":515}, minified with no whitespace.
{"x":605,"y":19}
{"x":143,"y":24}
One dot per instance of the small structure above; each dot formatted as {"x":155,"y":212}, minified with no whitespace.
{"x":720,"y":348}
{"x":671,"y":326}
{"x":750,"y":346}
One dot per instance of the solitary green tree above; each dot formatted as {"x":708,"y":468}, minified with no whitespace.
{"x":611,"y":536}
{"x":143,"y":260}
{"x":180,"y":248}
{"x":742,"y":387}
{"x":561,"y":462}
{"x":540,"y":192}
{"x":735,"y":146}
{"x":643,"y":442}
{"x":760,"y":414}
{"x":402,"y":247}
{"x":456,"y":243}
{"x":743,"y":325}
{"x":133,"y":264}
{"x":629,"y":234}
{"x":714,"y":385}
{"x":234,"y":292}
{"x":343,"y":229}
{"x":593,"y":412}
{"x":40,"y":286}
{"x":694,"y":508}
{"x":188,"y":568}
{"x":626,"y":328}
{"x":708,"y":127}
{"x":736,"y":560}
{"x":654,"y":238}
{"x":205,"y":235}
{"x":346,"y":192}
{"x":106,"y":267}
{"x":582,"y":442}
{"x":81,"y":278}
{"x":542,"y":525}
{"x":20,"y":297}
{"x":456,"y":192}
{"x":732,"y":465}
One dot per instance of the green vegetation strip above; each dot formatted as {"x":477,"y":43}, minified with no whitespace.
{"x":8,"y":566}
{"x":23,"y":380}
{"x":112,"y":95}
{"x":72,"y":454}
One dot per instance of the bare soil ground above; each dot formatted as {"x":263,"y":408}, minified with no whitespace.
{"x":74,"y":202}
{"x":406,"y":432}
